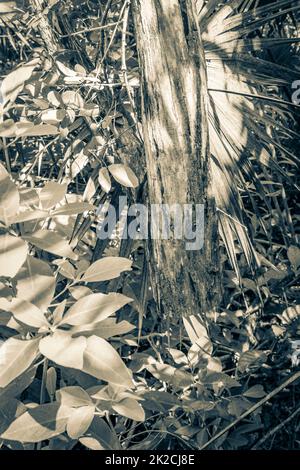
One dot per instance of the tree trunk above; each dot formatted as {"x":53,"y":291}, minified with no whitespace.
{"x":175,"y":128}
{"x":43,"y":26}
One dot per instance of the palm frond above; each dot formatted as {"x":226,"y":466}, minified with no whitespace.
{"x":249,"y":112}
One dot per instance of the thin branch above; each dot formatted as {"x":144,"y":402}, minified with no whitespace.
{"x":275,"y":429}
{"x":253,"y":408}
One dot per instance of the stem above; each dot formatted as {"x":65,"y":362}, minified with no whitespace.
{"x":43,"y":392}
{"x":253,"y":408}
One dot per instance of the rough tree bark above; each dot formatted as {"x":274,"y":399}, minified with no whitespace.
{"x":175,"y":132}
{"x":43,"y":26}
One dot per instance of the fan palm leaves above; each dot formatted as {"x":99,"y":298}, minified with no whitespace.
{"x":248,"y":116}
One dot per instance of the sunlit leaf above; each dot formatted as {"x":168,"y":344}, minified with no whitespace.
{"x":105,"y":329}
{"x":13,"y":252}
{"x":35,"y":282}
{"x":104,"y":180}
{"x":9,"y":196}
{"x":103,"y":362}
{"x":80,"y":421}
{"x":52,"y":242}
{"x":63,"y":349}
{"x":73,"y":396}
{"x":130,"y":408}
{"x":39,"y":423}
{"x":13,"y":82}
{"x":51,"y":194}
{"x":16,"y":355}
{"x":106,"y":268}
{"x":94,"y":308}
{"x":72,"y":208}
{"x":124,"y":175}
{"x":27,"y":313}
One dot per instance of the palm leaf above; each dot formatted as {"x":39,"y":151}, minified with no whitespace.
{"x":249,"y":121}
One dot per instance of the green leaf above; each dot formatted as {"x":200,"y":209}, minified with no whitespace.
{"x":106,"y":269}
{"x":94,"y":308}
{"x":63,"y":349}
{"x":130,"y":408}
{"x":124,"y":175}
{"x":27,"y":313}
{"x":39,"y":423}
{"x":9,"y":196}
{"x":16,"y":355}
{"x":13,"y":252}
{"x":80,"y":421}
{"x":102,"y":361}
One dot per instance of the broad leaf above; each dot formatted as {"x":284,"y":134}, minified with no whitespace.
{"x":80,"y":421}
{"x":39,"y":423}
{"x":104,"y":180}
{"x":19,"y":384}
{"x":130,"y":408}
{"x":16,"y":355}
{"x":13,"y":82}
{"x":35,"y":282}
{"x":104,"y":329}
{"x":52,"y":242}
{"x":100,"y":436}
{"x":10,"y":409}
{"x":13,"y":252}
{"x":9,"y":196}
{"x":124,"y":175}
{"x":51,"y":194}
{"x":63,"y":349}
{"x":94,"y":308}
{"x":106,"y":269}
{"x":103,"y":362}
{"x":73,"y":396}
{"x":27,"y":313}
{"x":72,"y":208}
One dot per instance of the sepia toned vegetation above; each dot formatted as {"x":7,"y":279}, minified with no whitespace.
{"x":131,"y":344}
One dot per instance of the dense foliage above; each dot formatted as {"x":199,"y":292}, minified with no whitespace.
{"x":86,"y":358}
